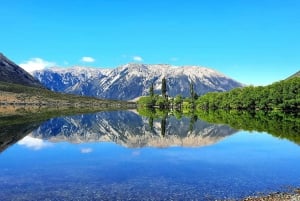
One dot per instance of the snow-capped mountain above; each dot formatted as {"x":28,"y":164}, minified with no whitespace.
{"x":133,"y":80}
{"x":68,"y":79}
{"x":131,"y":130}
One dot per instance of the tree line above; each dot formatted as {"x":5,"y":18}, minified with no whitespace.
{"x":283,"y":95}
{"x":163,"y":101}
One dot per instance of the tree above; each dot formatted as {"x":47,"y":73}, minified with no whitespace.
{"x":150,"y":121}
{"x":164,"y":123}
{"x":151,"y":90}
{"x":164,"y":87}
{"x":192,"y":92}
{"x":163,"y":126}
{"x":178,"y":101}
{"x":146,"y":101}
{"x":161,"y":102}
{"x":193,"y":120}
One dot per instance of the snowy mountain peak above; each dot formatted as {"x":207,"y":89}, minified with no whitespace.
{"x":76,"y":70}
{"x":170,"y":70}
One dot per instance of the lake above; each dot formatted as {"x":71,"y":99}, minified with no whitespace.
{"x":120,"y":155}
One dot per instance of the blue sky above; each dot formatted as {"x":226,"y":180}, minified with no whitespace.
{"x":253,"y":41}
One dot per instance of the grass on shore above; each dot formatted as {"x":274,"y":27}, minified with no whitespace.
{"x":14,"y":94}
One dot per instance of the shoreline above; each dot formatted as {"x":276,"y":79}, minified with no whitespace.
{"x":293,"y":195}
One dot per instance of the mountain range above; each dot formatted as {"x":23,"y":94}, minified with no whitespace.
{"x":126,"y":82}
{"x":133,"y":80}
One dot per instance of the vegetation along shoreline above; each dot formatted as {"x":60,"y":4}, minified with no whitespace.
{"x":279,"y":96}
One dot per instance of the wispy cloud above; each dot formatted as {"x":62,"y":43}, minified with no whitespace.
{"x":174,"y":59}
{"x":87,"y":59}
{"x":86,"y":150}
{"x":66,"y":63}
{"x":33,"y":143}
{"x":136,"y":153}
{"x":36,"y":64}
{"x":137,"y":58}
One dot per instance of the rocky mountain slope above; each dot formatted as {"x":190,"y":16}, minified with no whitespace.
{"x":295,"y":75}
{"x":133,"y":80}
{"x":131,"y":130}
{"x":12,"y":73}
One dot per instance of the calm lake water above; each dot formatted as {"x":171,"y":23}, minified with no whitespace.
{"x":120,"y":155}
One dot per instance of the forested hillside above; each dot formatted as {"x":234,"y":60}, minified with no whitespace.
{"x":283,"y":95}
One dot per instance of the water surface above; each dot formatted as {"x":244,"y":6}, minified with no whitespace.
{"x":122,"y":156}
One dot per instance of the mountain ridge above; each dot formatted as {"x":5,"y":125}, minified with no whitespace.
{"x":12,"y":73}
{"x":118,"y":83}
{"x":297,"y":74}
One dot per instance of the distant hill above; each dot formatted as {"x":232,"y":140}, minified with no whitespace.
{"x":12,"y":73}
{"x":130,"y":81}
{"x":295,"y":75}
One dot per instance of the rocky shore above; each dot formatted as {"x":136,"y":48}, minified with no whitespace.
{"x":278,"y":196}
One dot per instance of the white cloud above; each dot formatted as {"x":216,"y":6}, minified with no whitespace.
{"x":33,"y":143}
{"x":137,"y":58}
{"x":86,"y":150}
{"x":36,"y":64}
{"x":87,"y":59}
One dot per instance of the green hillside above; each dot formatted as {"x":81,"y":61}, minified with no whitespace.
{"x":283,"y":95}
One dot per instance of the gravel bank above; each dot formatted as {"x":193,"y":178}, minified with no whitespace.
{"x":293,"y":196}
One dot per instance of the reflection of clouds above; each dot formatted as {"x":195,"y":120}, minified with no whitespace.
{"x":86,"y":150}
{"x":33,"y":143}
{"x":136,"y":153}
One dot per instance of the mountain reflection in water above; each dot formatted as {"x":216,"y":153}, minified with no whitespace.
{"x":10,"y":134}
{"x":131,"y":130}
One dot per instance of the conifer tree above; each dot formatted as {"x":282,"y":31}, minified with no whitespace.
{"x":164,"y":87}
{"x":192,"y":92}
{"x":151,"y":91}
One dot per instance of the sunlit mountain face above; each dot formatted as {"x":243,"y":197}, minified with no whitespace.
{"x":133,"y":80}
